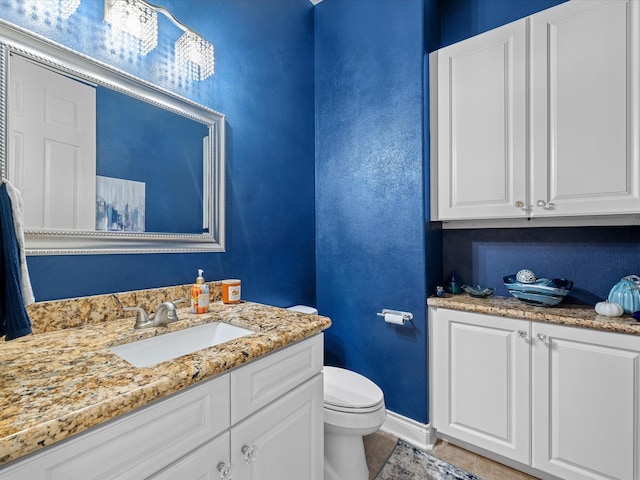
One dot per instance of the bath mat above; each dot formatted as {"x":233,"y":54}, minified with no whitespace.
{"x":409,"y":463}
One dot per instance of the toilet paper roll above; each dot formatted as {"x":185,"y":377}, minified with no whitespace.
{"x":394,"y":318}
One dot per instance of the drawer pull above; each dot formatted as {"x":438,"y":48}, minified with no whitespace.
{"x":522,"y":333}
{"x":225,"y":470}
{"x":249,"y":453}
{"x":541,"y":337}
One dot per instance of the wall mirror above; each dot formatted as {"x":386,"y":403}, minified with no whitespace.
{"x":106,"y":162}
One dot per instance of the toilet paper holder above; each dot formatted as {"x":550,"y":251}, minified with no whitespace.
{"x":406,"y":316}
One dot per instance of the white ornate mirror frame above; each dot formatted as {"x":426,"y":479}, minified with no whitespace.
{"x":66,"y":242}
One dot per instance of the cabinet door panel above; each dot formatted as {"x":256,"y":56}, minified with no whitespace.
{"x":481,"y":388}
{"x":481,"y":125}
{"x":585,"y":107}
{"x":586,"y":386}
{"x":286,"y":437}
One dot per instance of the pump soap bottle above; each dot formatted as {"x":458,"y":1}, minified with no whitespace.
{"x":199,"y":295}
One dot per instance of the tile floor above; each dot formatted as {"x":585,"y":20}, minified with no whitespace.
{"x":379,"y":445}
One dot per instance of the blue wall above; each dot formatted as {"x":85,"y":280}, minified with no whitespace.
{"x":264,"y":85}
{"x":370,"y":192}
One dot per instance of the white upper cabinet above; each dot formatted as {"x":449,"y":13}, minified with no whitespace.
{"x":585,"y":109}
{"x":478,"y":95}
{"x":539,"y":118}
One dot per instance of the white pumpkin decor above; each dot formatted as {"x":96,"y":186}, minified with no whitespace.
{"x":609,"y":309}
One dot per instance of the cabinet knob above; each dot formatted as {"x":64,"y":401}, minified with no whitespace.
{"x":249,"y":452}
{"x":541,"y":337}
{"x":225,"y":470}
{"x":520,"y":204}
{"x":522,"y":333}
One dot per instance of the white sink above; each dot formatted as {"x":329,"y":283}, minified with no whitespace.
{"x":150,"y":351}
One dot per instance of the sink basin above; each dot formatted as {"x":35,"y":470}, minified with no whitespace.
{"x":150,"y":351}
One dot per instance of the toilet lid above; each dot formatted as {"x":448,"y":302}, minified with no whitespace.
{"x":344,"y":388}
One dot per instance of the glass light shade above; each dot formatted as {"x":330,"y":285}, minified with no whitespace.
{"x":194,"y":55}
{"x":61,"y":9}
{"x":68,"y":7}
{"x":135,"y":18}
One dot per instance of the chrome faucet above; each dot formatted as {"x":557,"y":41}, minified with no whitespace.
{"x":164,"y":314}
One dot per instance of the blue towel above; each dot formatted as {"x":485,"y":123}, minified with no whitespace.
{"x":14,"y":320}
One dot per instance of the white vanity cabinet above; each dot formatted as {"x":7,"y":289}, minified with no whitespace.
{"x":285,"y":440}
{"x":586,"y":403}
{"x":553,"y":400}
{"x":277,"y":436}
{"x":480,"y":380}
{"x":276,"y":432}
{"x":549,"y":130}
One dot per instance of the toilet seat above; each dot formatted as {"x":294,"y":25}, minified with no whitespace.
{"x":349,"y":392}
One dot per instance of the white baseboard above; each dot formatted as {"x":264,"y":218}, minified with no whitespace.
{"x":413,"y":432}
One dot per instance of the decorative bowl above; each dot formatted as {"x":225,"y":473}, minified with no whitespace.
{"x":478,"y":291}
{"x":544,"y":292}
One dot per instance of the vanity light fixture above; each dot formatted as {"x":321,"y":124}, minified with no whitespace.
{"x":68,"y":7}
{"x":135,"y":18}
{"x":194,"y":54}
{"x":62,"y":9}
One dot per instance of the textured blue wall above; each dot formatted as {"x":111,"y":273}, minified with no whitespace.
{"x":370,"y":192}
{"x":594,"y":258}
{"x":264,"y":85}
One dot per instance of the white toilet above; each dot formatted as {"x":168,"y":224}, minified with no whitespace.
{"x":353,"y":407}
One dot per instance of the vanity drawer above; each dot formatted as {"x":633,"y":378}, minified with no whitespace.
{"x":137,"y":444}
{"x":259,"y":383}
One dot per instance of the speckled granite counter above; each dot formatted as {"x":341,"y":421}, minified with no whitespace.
{"x":565,"y":314}
{"x":63,"y":379}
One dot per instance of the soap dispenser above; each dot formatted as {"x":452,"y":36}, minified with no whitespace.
{"x":199,"y":294}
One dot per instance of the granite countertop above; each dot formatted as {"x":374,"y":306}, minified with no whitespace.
{"x":59,"y":382}
{"x":564,"y":314}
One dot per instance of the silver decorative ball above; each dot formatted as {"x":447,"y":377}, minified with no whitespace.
{"x":526,"y":276}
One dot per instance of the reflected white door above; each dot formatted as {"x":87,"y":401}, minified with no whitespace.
{"x":52,"y":146}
